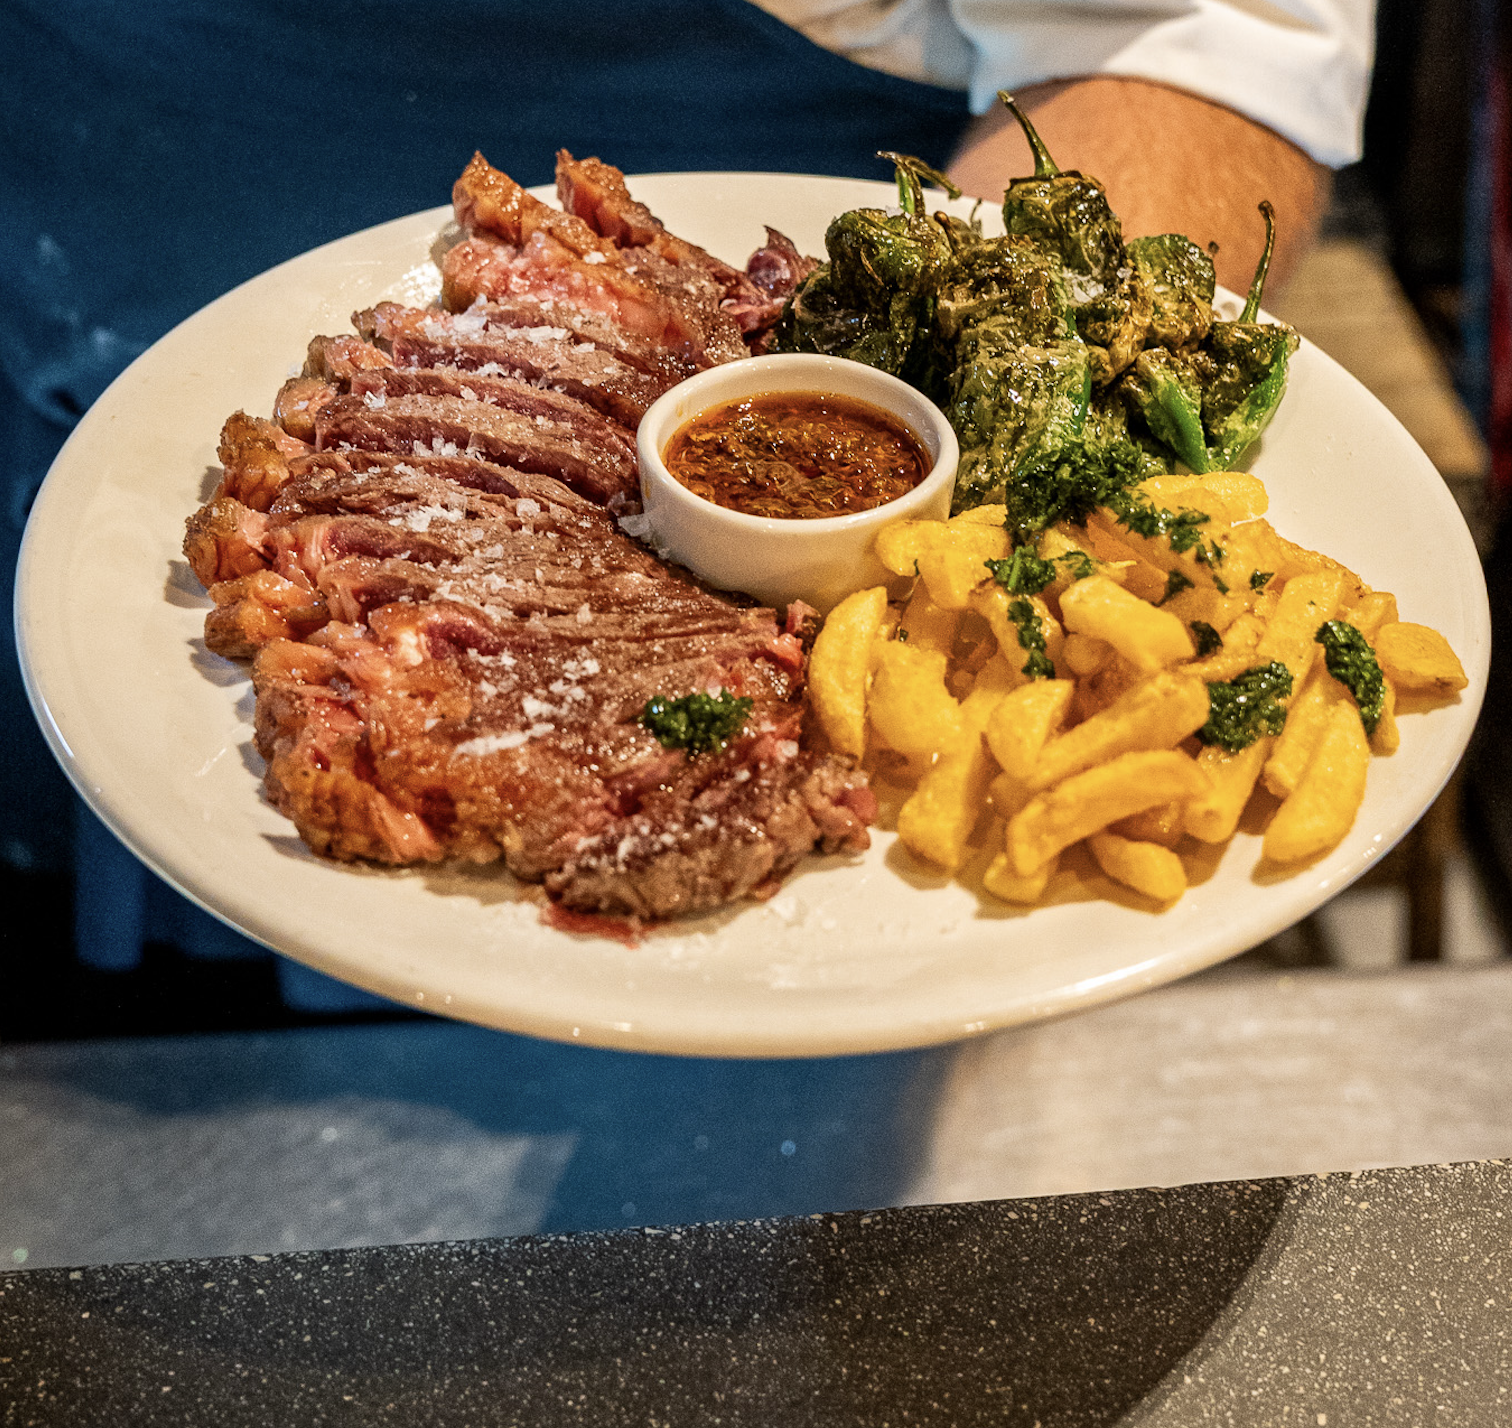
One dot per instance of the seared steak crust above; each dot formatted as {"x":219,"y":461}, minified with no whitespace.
{"x":452,"y":639}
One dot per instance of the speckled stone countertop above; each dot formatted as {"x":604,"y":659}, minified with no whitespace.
{"x":1374,"y":1298}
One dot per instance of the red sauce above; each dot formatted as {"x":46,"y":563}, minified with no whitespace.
{"x":798,"y":455}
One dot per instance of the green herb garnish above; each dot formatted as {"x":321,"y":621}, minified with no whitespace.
{"x":1248,"y":706}
{"x":1176,"y":582}
{"x":699,"y":723}
{"x":1031,"y":636}
{"x":1205,"y":637}
{"x":1351,"y":661}
{"x":1180,"y":528}
{"x":1024,"y":573}
{"x":1259,"y":579}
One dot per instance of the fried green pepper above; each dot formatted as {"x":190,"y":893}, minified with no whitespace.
{"x":1182,"y":284}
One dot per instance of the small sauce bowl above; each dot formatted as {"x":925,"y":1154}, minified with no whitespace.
{"x":778,"y":560}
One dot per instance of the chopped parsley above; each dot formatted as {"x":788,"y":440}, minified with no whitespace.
{"x":1351,"y":661}
{"x":1031,"y":636}
{"x":699,"y":723}
{"x":1259,"y":579}
{"x":1024,"y":573}
{"x":1248,"y":706}
{"x":1176,"y":582}
{"x":1181,"y":529}
{"x":1205,"y":637}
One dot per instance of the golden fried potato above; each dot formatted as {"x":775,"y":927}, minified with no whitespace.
{"x":937,"y":819}
{"x":1307,"y":718}
{"x":1417,"y":657}
{"x":1322,"y":808}
{"x":1146,"y":867}
{"x":1213,"y":816}
{"x":1228,"y":497}
{"x":1164,"y":824}
{"x":950,"y":559}
{"x":1089,"y":801}
{"x":1291,"y":636}
{"x":840,"y":667}
{"x":1148,"y":638}
{"x":909,"y":705}
{"x":925,"y":625}
{"x":1026,"y":718}
{"x":993,"y":604}
{"x":1157,"y":713}
{"x":1002,"y":882}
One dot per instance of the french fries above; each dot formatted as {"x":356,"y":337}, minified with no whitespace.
{"x":1133,"y":697}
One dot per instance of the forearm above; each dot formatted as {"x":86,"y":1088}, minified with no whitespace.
{"x":1171,"y":162}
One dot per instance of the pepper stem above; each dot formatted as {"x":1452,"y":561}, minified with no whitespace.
{"x":1044,"y":165}
{"x":1252,"y":304}
{"x":912,"y":174}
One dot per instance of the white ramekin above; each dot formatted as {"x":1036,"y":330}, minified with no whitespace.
{"x":818,"y":561}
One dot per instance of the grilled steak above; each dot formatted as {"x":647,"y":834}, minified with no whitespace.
{"x":453,"y":640}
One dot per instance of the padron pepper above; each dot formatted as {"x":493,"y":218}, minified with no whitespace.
{"x":874,"y":299}
{"x":1067,"y":213}
{"x":1210,"y":402}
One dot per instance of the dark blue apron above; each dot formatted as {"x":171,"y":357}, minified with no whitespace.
{"x":154,"y":153}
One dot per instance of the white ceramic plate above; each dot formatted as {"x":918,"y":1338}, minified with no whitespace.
{"x":853,"y":954}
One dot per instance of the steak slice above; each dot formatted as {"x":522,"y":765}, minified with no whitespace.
{"x":417,"y":424}
{"x":489,"y":708}
{"x":549,"y":357}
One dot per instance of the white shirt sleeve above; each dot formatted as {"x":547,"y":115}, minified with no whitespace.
{"x":1300,"y":67}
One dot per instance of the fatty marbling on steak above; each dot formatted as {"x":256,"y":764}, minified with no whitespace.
{"x":451,"y":636}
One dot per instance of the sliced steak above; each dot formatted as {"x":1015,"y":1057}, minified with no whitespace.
{"x":550,"y":357}
{"x":456,"y":426}
{"x":491,"y":709}
{"x":453,"y":641}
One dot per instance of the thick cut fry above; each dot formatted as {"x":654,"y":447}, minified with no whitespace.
{"x":909,"y":705}
{"x":900,"y":546}
{"x":1229,"y":497}
{"x":1240,"y":641}
{"x":1136,"y":574}
{"x":1088,"y":802}
{"x":840,"y":666}
{"x":1148,"y":638}
{"x":1146,"y":867}
{"x":1213,"y":816}
{"x":1085,"y":655}
{"x":1025,"y":719}
{"x":981,"y":516}
{"x":1307,"y":719}
{"x":1164,"y":824}
{"x":937,"y":819}
{"x":993,"y":604}
{"x":1001,"y":881}
{"x":1322,"y":809}
{"x":1157,"y":713}
{"x":1307,"y":601}
{"x":927,"y":626}
{"x":1372,"y":610}
{"x":1205,"y":603}
{"x":1006,"y":795}
{"x":1417,"y":657}
{"x":1194,"y":563}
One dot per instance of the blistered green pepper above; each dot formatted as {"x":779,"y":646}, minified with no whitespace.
{"x":1248,"y":376}
{"x":1210,"y":402}
{"x":1062,"y":209}
{"x":1182,"y":284}
{"x":1067,"y":214}
{"x":874,"y":300}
